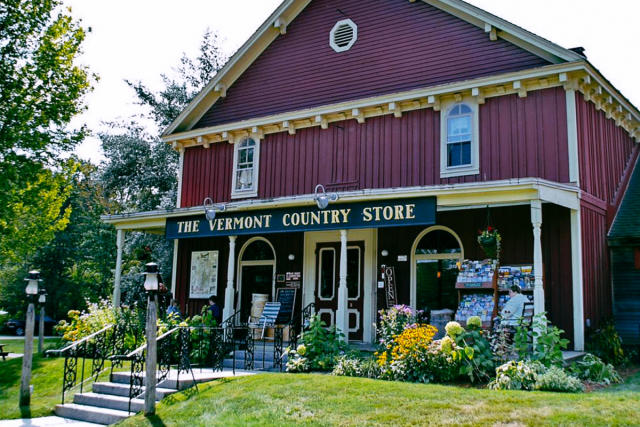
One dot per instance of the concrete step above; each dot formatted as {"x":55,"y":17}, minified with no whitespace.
{"x":91,"y":414}
{"x":108,"y":401}
{"x":257,"y":365}
{"x":123,"y":378}
{"x":117,"y":389}
{"x":185,"y":380}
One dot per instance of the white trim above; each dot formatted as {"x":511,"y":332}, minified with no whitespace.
{"x":174,"y":268}
{"x":474,"y":167}
{"x":241,"y":263}
{"x":341,"y":23}
{"x":360,"y":267}
{"x":548,"y":71}
{"x":500,"y":192}
{"x":331,"y":313}
{"x":413,"y":279}
{"x":333,"y":275}
{"x":572,"y":136}
{"x":356,"y":312}
{"x":253,"y":191}
{"x":180,"y":171}
{"x":576,"y":273}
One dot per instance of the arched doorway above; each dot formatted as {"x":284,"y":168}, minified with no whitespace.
{"x":256,"y":272}
{"x":434,"y":255}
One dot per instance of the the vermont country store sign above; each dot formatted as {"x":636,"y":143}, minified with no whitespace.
{"x":368,"y":214}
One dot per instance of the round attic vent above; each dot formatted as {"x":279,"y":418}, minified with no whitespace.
{"x":343,"y":35}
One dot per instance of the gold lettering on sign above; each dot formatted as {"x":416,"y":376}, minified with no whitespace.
{"x":345,"y":215}
{"x":366,"y":215}
{"x":410,"y":214}
{"x":387,"y":213}
{"x":335,"y":217}
{"x":399,"y":211}
{"x":238,"y":224}
{"x":267,"y":221}
{"x":286,"y":219}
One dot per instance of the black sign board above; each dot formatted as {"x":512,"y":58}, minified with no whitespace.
{"x":287,"y":299}
{"x":338,"y":216}
{"x":390,"y":286}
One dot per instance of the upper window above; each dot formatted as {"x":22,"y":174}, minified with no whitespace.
{"x":459,"y":146}
{"x":343,"y":35}
{"x":245,"y":168}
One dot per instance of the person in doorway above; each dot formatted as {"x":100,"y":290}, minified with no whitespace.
{"x":174,"y":309}
{"x":512,"y":310}
{"x":214,"y":309}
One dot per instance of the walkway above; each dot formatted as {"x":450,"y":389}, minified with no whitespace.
{"x":46,"y":422}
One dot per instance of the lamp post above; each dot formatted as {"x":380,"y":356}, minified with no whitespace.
{"x":151,"y":287}
{"x":32,"y":280}
{"x":42,"y":299}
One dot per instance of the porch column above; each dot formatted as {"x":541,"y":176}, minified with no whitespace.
{"x":342,"y":314}
{"x":538,"y":290}
{"x":230,"y":291}
{"x":118,"y":272}
{"x":576,"y":273}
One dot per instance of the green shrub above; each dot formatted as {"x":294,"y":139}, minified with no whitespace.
{"x":556,"y":379}
{"x":479,"y":363}
{"x":319,"y":349}
{"x":393,"y":321}
{"x":592,"y":368}
{"x":513,"y":375}
{"x":606,"y":344}
{"x":351,"y":366}
{"x":548,"y":343}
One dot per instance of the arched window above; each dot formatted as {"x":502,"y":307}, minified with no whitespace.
{"x":460,"y":146}
{"x":245,"y":168}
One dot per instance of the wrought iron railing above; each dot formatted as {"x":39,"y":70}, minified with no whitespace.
{"x":299,"y":323}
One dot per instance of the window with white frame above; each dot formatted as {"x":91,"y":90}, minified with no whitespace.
{"x":459,"y":149}
{"x":245,"y":168}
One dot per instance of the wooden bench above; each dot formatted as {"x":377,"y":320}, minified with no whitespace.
{"x":3,"y":353}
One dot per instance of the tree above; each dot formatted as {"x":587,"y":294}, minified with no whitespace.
{"x":41,"y":89}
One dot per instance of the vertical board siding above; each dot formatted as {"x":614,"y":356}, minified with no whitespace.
{"x":606,"y":151}
{"x":595,"y":265}
{"x":626,"y":294}
{"x":400,"y":46}
{"x":519,"y":137}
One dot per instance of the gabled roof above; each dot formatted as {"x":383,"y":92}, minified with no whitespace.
{"x":289,"y":9}
{"x":626,"y":225}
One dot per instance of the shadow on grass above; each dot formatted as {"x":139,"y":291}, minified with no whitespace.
{"x":25,"y":412}
{"x":155,"y":420}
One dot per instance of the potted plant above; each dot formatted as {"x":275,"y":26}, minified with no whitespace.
{"x":489,"y":240}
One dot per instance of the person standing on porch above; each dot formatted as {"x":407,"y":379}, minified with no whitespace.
{"x":214,"y":309}
{"x":512,"y":310}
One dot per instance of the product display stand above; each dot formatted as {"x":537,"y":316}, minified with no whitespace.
{"x":477,"y":291}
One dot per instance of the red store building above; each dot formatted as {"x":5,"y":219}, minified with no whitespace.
{"x":428,"y":120}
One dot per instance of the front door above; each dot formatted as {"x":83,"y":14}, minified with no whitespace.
{"x":328,"y":281}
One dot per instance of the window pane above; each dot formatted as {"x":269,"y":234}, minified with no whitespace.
{"x":250,"y":155}
{"x":466,"y":153}
{"x":258,"y":251}
{"x":242,"y":155}
{"x":353,"y":271}
{"x":244,"y":179}
{"x":327,"y":273}
{"x":457,"y":127}
{"x":459,"y":153}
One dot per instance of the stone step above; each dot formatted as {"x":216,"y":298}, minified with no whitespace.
{"x":185,"y":380}
{"x":108,"y":401}
{"x":228,"y":363}
{"x":123,"y":378}
{"x":91,"y":414}
{"x":118,"y":389}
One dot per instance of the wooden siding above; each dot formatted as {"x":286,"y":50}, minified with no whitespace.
{"x":514,"y":224}
{"x":519,"y":137}
{"x":605,"y":153}
{"x":595,"y":264}
{"x":626,"y":286}
{"x":400,"y":46}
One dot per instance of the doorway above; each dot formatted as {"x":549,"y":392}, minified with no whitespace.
{"x":328,"y":281}
{"x":435,"y":254}
{"x":256,"y":273}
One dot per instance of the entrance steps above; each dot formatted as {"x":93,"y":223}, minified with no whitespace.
{"x":262,"y":358}
{"x":108,"y":402}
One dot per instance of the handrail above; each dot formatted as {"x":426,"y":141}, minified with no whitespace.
{"x":143,"y":346}
{"x":81,"y":341}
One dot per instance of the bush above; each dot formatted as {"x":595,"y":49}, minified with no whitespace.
{"x":592,"y":368}
{"x":548,"y":344}
{"x":606,"y":344}
{"x":393,"y":321}
{"x":556,"y":379}
{"x":516,"y":376}
{"x":351,"y":366}
{"x":319,"y":349}
{"x":479,"y":359}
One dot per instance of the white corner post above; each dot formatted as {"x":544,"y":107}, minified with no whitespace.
{"x":342,"y":314}
{"x":538,"y":289}
{"x":228,"y":309}
{"x":174,"y":268}
{"x":576,"y":273}
{"x":118,"y":272}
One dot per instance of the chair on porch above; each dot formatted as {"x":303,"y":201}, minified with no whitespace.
{"x":267,"y":318}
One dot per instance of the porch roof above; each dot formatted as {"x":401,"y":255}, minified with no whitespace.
{"x":449,"y":196}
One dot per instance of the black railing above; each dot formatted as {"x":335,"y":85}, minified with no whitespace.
{"x":299,"y":323}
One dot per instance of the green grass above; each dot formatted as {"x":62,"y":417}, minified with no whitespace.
{"x":17,"y":346}
{"x":46,"y":379}
{"x":292,"y":399}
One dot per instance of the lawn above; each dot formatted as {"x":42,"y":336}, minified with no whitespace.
{"x":312,"y":399}
{"x":17,"y":345}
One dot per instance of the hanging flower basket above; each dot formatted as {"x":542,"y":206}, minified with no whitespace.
{"x":489,"y":241}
